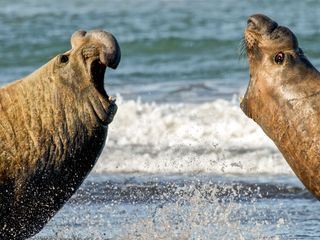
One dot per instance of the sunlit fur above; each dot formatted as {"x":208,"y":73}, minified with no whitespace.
{"x":284,"y":98}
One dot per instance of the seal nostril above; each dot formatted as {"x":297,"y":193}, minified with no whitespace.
{"x":261,"y":24}
{"x":251,"y":23}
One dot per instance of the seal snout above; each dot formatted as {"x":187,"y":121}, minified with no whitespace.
{"x":109,"y":48}
{"x":261,"y":24}
{"x":110,"y":54}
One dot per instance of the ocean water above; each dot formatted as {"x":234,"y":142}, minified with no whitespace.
{"x":181,"y":160}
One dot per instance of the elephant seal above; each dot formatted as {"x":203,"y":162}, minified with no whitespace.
{"x":283,"y":96}
{"x":53,"y":126}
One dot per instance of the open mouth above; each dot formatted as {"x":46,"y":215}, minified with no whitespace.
{"x":105,"y":108}
{"x":98,"y":70}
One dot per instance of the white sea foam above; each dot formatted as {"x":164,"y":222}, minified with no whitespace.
{"x":212,"y":137}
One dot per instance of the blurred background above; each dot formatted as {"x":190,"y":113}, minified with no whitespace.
{"x":179,"y":144}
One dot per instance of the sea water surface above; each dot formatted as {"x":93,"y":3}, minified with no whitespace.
{"x":181,"y":160}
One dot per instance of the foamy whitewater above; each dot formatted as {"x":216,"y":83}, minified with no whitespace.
{"x":212,"y":137}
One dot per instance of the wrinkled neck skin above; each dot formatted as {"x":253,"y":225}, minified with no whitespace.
{"x":50,"y":133}
{"x":286,"y":106}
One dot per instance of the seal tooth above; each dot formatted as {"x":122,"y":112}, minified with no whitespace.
{"x":111,"y":99}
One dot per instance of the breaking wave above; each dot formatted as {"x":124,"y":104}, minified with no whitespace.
{"x":211,"y":137}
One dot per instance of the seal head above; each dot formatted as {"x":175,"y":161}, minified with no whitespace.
{"x":89,"y":57}
{"x":283,"y":96}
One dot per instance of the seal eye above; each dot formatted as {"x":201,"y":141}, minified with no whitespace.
{"x":279,"y":58}
{"x":64,"y":59}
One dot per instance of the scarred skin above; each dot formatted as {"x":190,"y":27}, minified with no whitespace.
{"x":284,"y":97}
{"x":53,"y":126}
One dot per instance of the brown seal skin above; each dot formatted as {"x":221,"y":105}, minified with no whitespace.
{"x":283,"y":96}
{"x":53,"y":126}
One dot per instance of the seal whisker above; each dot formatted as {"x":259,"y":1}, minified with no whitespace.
{"x":242,"y":49}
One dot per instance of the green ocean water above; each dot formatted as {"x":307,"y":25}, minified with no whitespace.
{"x":172,"y":50}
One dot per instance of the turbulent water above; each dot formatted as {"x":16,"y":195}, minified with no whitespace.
{"x":181,"y":161}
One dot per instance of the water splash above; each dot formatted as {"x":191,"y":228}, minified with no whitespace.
{"x":175,"y":207}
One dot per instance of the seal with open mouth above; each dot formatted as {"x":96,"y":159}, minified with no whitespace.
{"x":283,"y":96}
{"x":53,"y":126}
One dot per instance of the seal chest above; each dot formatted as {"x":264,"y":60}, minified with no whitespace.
{"x":283,"y":96}
{"x":54,"y":125}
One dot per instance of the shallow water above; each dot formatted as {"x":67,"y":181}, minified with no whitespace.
{"x":135,"y":206}
{"x":181,"y":161}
